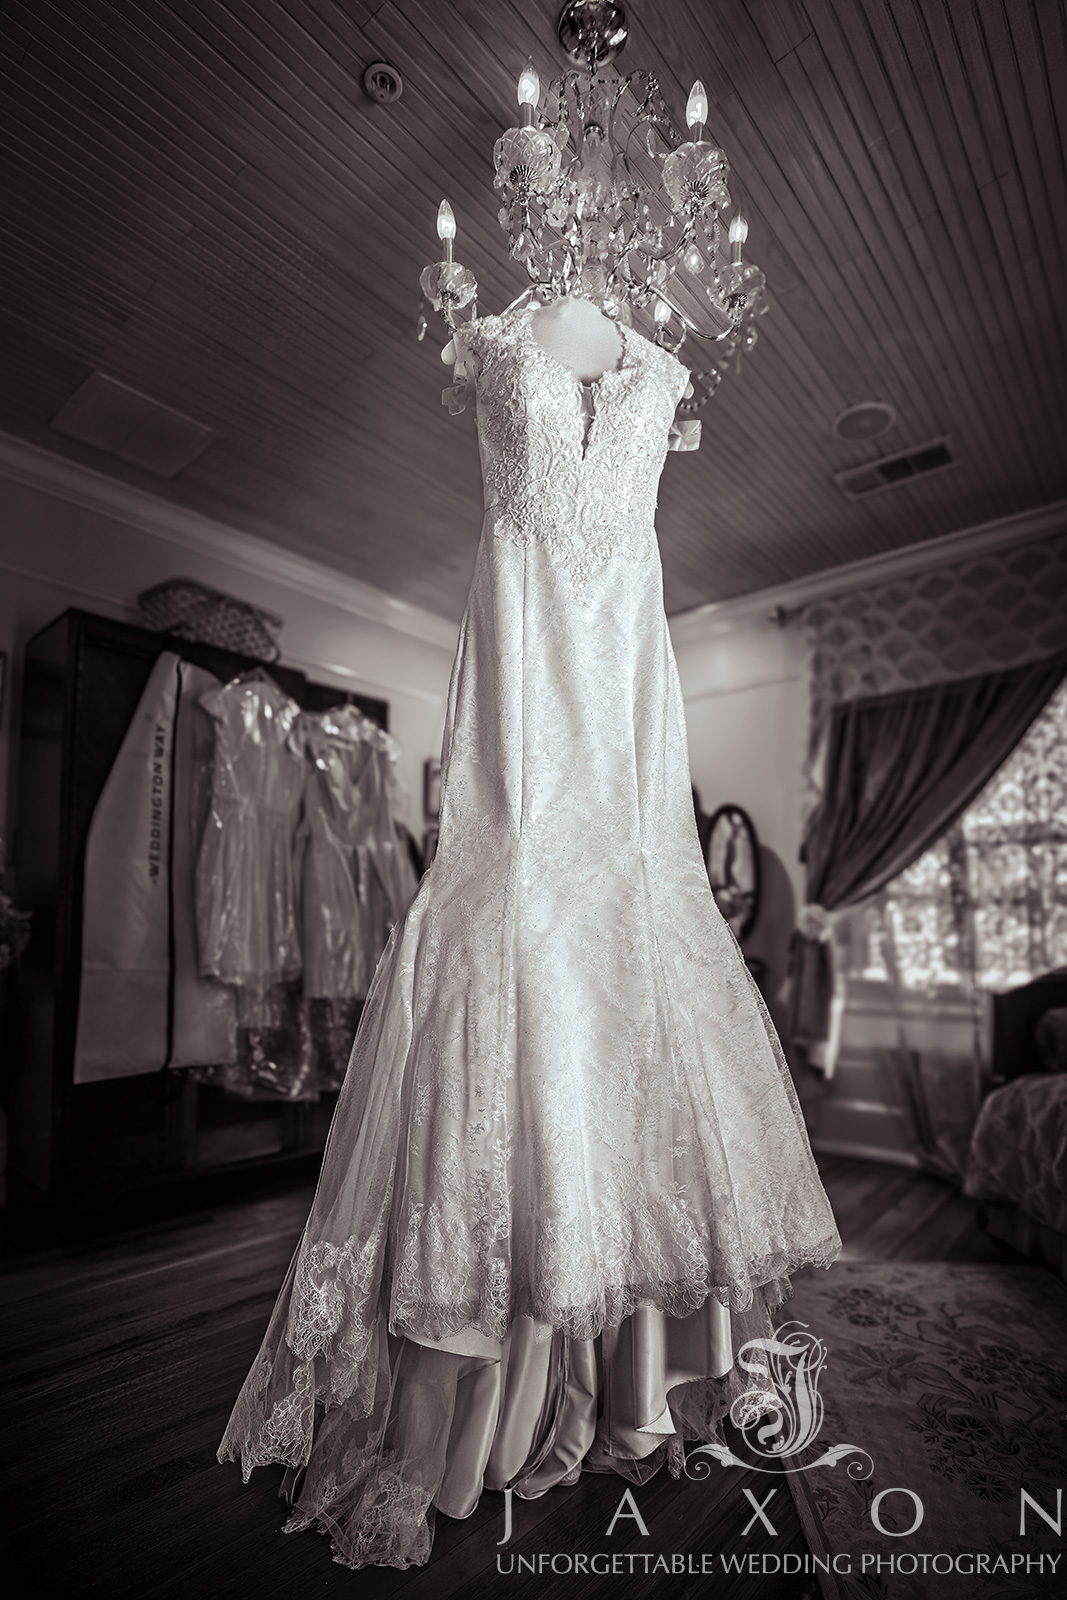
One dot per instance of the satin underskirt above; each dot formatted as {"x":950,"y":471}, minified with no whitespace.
{"x":529,"y":1414}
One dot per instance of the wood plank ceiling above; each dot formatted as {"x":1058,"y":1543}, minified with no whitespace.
{"x":202,"y":202}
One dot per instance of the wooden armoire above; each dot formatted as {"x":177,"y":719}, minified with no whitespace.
{"x":79,"y":1151}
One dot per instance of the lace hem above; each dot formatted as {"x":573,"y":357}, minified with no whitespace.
{"x":428,"y":1319}
{"x":286,"y":1431}
{"x":378,"y":1517}
{"x":370,"y":1482}
{"x":275,"y":1416}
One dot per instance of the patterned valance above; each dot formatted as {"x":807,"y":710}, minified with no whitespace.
{"x":982,"y":615}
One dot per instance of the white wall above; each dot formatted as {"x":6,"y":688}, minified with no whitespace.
{"x":84,"y":542}
{"x":745,"y":686}
{"x":69,"y":537}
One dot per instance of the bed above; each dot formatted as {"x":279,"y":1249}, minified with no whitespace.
{"x":1017,"y":1163}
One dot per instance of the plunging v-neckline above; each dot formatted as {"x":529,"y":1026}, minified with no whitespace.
{"x":582,"y":383}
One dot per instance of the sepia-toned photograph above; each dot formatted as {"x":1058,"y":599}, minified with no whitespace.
{"x":533,"y":799}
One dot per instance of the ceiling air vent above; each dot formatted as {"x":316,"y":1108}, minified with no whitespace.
{"x":891,"y":471}
{"x":125,"y":423}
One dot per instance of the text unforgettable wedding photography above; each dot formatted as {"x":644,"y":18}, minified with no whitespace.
{"x":533,"y":799}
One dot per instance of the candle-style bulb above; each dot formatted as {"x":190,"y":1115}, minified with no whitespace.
{"x":696,"y":111}
{"x":529,"y":85}
{"x":662,"y":313}
{"x":738,"y":230}
{"x":446,"y":222}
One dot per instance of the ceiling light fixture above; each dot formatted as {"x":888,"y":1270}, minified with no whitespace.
{"x":383,"y":82}
{"x":604,"y":198}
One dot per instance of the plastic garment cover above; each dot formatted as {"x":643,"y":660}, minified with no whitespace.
{"x":345,"y":907}
{"x":382,"y":852}
{"x":332,"y":1025}
{"x":356,"y":875}
{"x":301,"y":879}
{"x":567,"y":1118}
{"x":275,"y":1058}
{"x":246,"y":879}
{"x":247,"y":888}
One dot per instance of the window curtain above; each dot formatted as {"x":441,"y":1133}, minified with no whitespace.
{"x":988,"y":614}
{"x":901,"y":768}
{"x":900,"y":771}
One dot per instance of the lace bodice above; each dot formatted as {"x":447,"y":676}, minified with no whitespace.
{"x":568,"y":466}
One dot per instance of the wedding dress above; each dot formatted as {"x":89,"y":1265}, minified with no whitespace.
{"x":567,"y":1174}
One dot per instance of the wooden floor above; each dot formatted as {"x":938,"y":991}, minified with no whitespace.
{"x":123,"y":1358}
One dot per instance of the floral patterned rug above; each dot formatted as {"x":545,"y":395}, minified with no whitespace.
{"x":952,"y":1378}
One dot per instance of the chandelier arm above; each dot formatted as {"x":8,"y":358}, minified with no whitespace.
{"x":691,"y":327}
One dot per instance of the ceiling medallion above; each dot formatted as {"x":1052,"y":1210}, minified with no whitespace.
{"x":604,"y":198}
{"x":868,"y":419}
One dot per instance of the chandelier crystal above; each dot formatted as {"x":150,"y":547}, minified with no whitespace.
{"x":603,"y":198}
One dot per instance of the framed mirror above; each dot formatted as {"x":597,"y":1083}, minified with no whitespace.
{"x":732,"y":854}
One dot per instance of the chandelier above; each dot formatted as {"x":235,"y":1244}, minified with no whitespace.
{"x":603,"y":198}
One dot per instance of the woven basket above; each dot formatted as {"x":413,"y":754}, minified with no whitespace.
{"x":192,"y":611}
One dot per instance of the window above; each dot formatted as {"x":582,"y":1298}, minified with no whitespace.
{"x":987,"y":905}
